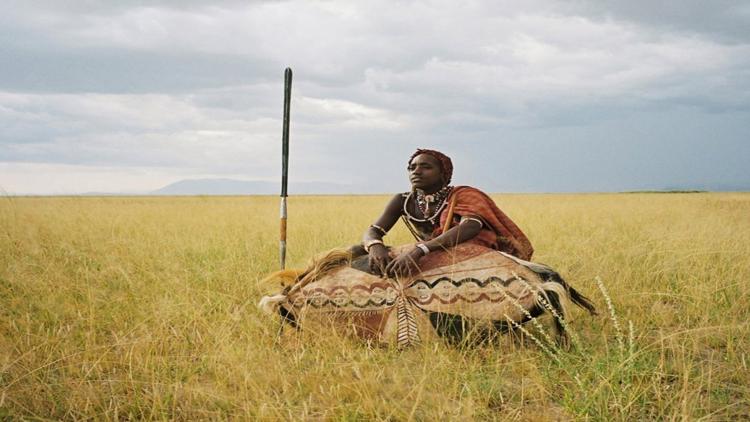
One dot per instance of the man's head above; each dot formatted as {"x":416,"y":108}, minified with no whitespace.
{"x":430,"y":169}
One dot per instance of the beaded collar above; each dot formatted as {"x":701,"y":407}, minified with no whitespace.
{"x":430,"y":205}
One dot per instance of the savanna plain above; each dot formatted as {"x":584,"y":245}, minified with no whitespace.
{"x":145,"y":308}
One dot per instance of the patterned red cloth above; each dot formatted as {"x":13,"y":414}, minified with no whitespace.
{"x":498,"y":232}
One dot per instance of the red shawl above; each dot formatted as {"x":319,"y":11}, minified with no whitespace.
{"x":498,"y":231}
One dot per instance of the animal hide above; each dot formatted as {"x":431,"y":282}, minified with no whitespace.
{"x":471,"y":282}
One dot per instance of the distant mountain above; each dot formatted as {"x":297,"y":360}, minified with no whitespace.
{"x":248,"y":187}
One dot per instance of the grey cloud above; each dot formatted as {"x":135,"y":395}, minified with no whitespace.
{"x":231,"y":153}
{"x":122,"y":71}
{"x":725,"y":20}
{"x":106,"y":6}
{"x":640,"y":150}
{"x":198,"y":86}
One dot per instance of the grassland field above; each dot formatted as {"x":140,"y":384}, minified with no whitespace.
{"x":145,"y":308}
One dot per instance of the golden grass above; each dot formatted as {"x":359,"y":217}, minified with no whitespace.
{"x":125,"y":308}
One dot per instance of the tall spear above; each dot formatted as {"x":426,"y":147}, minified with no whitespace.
{"x":285,"y":162}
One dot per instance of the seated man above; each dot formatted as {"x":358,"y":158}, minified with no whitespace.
{"x":440,"y":216}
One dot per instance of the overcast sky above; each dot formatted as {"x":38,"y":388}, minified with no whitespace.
{"x":532,"y":96}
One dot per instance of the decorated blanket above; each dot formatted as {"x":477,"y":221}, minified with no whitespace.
{"x":466,"y":289}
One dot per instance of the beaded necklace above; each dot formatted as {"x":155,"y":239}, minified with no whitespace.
{"x":430,"y":205}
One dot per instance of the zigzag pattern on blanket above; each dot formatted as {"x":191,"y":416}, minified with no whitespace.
{"x":359,"y":296}
{"x":423,"y":292}
{"x":469,"y":290}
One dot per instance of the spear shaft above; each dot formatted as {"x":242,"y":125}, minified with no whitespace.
{"x":285,"y":164}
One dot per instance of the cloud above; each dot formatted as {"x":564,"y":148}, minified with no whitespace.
{"x":724,"y":20}
{"x":130,"y":130}
{"x":348,"y":114}
{"x":196,"y":87}
{"x":64,"y":179}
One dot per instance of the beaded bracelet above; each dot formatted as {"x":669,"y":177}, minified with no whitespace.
{"x":379,"y":229}
{"x":369,"y":244}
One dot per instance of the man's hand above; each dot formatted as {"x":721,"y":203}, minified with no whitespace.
{"x":404,"y":264}
{"x":379,"y":259}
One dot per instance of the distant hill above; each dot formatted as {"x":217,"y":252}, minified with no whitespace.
{"x":248,"y":187}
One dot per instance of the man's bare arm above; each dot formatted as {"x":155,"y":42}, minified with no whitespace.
{"x":386,"y":221}
{"x":373,"y":237}
{"x":459,"y":233}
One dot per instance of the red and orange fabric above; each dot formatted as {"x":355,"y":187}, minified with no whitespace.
{"x":498,"y":232}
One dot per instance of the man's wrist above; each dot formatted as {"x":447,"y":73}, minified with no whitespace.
{"x":422,"y":247}
{"x":377,"y":246}
{"x":370,"y":243}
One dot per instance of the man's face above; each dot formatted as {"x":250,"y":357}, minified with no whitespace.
{"x":425,"y":173}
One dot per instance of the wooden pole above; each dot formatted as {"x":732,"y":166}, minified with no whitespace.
{"x":285,"y":164}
